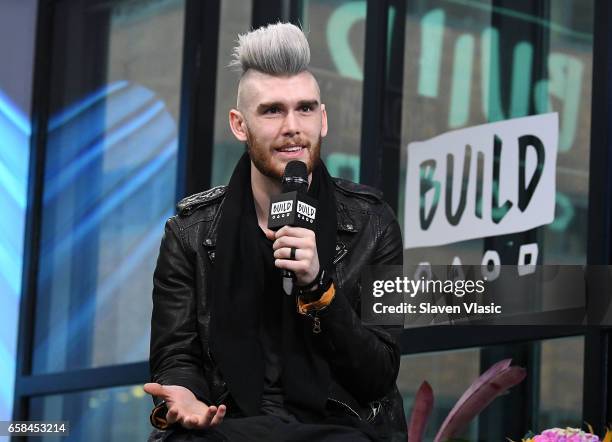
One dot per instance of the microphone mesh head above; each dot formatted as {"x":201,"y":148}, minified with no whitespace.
{"x":295,"y":177}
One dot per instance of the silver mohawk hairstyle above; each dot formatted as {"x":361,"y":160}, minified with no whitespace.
{"x":277,"y":49}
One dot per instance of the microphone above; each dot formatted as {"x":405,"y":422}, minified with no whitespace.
{"x":293,"y":207}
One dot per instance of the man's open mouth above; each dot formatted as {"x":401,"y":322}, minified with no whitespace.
{"x":292,"y":148}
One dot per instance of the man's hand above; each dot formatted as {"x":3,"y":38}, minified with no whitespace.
{"x":184,"y":408}
{"x":306,"y":263}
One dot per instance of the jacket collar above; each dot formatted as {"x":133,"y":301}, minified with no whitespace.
{"x":345,"y":223}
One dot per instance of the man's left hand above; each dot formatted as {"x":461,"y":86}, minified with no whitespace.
{"x":306,"y":263}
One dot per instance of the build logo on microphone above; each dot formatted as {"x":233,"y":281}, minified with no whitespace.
{"x":306,"y":212}
{"x":281,"y":209}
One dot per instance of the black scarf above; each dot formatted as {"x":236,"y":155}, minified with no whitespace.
{"x":237,"y":303}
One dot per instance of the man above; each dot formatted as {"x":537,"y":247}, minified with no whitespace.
{"x":232,"y":356}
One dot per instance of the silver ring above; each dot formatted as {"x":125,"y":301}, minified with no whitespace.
{"x":292,"y":255}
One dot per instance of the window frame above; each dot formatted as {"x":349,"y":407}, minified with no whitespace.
{"x":380,"y":150}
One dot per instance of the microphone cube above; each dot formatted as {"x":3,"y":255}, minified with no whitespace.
{"x":292,"y":209}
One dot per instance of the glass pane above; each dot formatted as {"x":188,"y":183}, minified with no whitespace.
{"x":570,"y":71}
{"x":235,"y":20}
{"x":17,"y":21}
{"x":109,"y":178}
{"x":561,"y":379}
{"x":556,"y":364}
{"x":116,"y":414}
{"x":469,"y":63}
{"x":336,"y":33}
{"x":449,"y":374}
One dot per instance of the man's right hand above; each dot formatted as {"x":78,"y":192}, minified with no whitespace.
{"x":185,"y":408}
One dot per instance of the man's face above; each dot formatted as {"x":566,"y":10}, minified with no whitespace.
{"x":281,"y":119}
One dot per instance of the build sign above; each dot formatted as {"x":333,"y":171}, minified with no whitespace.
{"x":488,"y":180}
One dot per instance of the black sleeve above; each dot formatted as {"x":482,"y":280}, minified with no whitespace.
{"x":367,"y":357}
{"x":176,"y":351}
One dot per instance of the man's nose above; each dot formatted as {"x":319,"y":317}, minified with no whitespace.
{"x":291,"y":124}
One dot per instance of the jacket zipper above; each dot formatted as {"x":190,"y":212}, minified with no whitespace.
{"x":346,"y":406}
{"x":374,"y":410}
{"x":342,"y":253}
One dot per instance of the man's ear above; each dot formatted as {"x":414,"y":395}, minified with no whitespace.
{"x":323,"y":121}
{"x":238,"y":124}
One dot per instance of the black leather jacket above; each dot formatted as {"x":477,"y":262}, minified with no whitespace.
{"x":364,"y":360}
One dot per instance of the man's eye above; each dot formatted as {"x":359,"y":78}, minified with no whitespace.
{"x":306,"y":108}
{"x":272,"y":110}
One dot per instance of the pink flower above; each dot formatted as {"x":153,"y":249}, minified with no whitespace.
{"x":565,"y":435}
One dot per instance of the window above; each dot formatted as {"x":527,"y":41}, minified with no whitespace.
{"x":558,"y":388}
{"x":235,"y":20}
{"x":473,"y":62}
{"x":336,"y":33}
{"x":113,"y":414}
{"x":109,"y":179}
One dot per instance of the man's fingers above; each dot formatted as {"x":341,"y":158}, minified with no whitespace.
{"x":292,"y":241}
{"x":204,"y":420}
{"x":300,"y":254}
{"x":298,"y":232}
{"x":219,"y":416}
{"x":172,"y":415}
{"x":294,"y":266}
{"x":208,"y":416}
{"x":212,"y":416}
{"x":155,"y":389}
{"x":270,"y":234}
{"x":196,"y":420}
{"x":190,"y":422}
